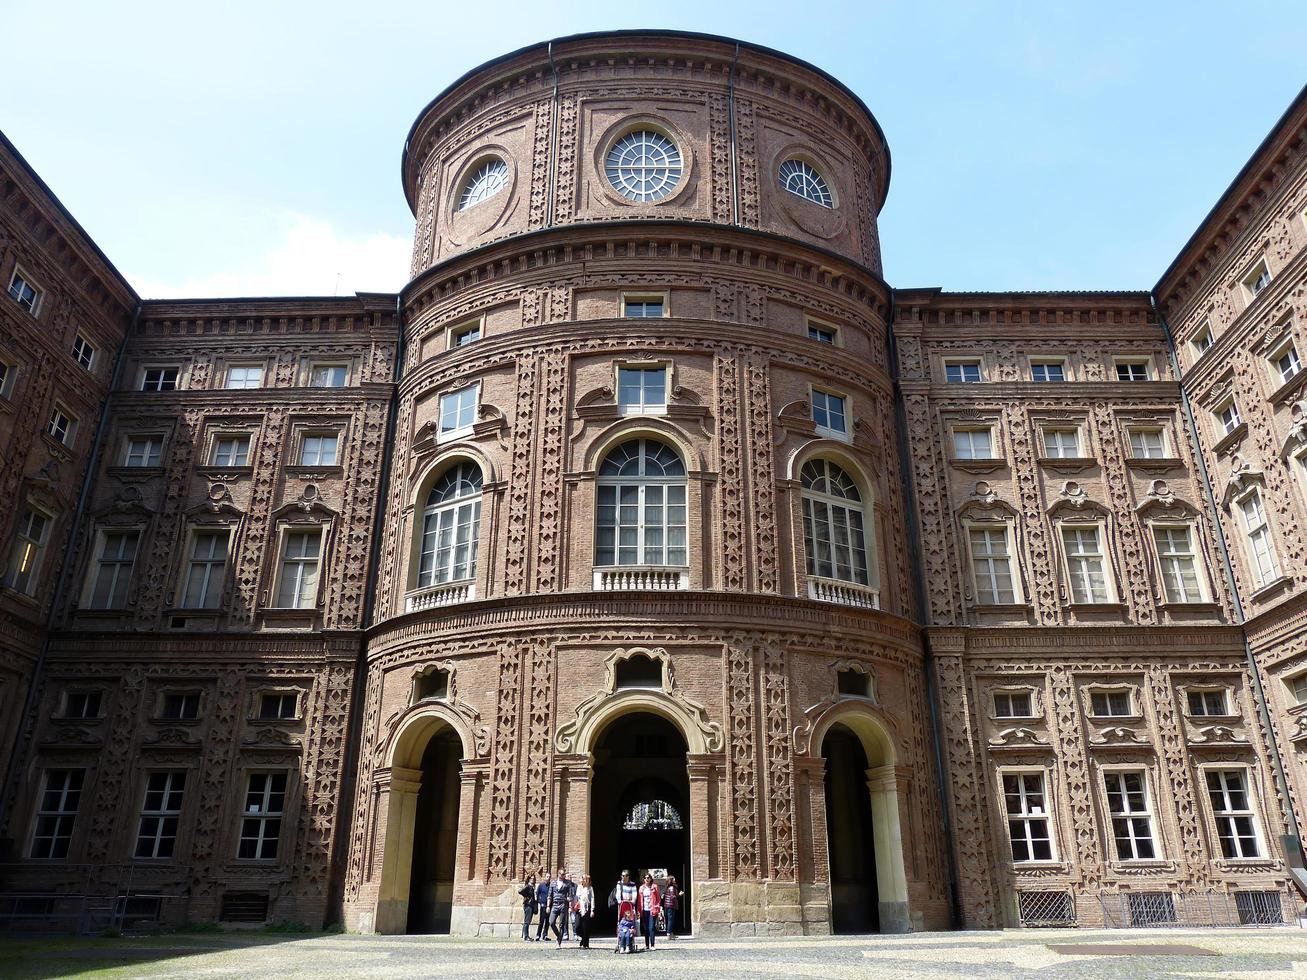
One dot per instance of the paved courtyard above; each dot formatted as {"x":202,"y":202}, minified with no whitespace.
{"x":1052,"y":953}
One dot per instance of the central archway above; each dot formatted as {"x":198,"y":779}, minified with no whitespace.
{"x":639,"y":809}
{"x":435,"y":837}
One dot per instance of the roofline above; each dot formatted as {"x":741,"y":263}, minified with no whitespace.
{"x":201,"y":300}
{"x":68,"y":216}
{"x":938,"y":292}
{"x":1298,"y":104}
{"x":544,"y":47}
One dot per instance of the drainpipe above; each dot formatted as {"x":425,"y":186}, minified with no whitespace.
{"x":730,"y":117}
{"x":354,"y":739}
{"x":553,"y":140}
{"x":28,"y":720}
{"x":919,"y":587}
{"x":1292,"y":843}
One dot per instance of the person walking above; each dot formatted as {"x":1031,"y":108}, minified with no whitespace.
{"x":649,"y":904}
{"x":671,"y":902}
{"x":542,"y":904}
{"x":560,"y":905}
{"x":585,"y":910}
{"x":529,"y":905}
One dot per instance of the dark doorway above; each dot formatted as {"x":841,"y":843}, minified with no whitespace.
{"x":639,"y":812}
{"x":855,"y":906}
{"x":435,"y":836}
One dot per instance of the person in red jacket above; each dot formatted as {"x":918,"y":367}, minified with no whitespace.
{"x":649,"y":903}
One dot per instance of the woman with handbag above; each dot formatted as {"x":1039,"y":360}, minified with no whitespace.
{"x":585,"y":910}
{"x":528,"y":893}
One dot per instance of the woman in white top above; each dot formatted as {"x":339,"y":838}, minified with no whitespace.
{"x":585,"y":910}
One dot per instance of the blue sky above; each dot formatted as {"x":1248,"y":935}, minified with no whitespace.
{"x":253,"y":148}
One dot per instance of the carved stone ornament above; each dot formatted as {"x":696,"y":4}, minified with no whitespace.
{"x":173,"y":736}
{"x":1018,"y":738}
{"x":1215,"y":736}
{"x":451,"y":693}
{"x":814,"y":715}
{"x":308,"y":505}
{"x":1296,"y":438}
{"x":1243,"y":477}
{"x":467,"y":716}
{"x":1118,"y":737}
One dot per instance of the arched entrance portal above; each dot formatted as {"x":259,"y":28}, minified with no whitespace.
{"x":435,"y":837}
{"x":639,"y":809}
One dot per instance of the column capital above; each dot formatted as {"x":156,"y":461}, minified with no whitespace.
{"x":398,"y":779}
{"x":702,"y":766}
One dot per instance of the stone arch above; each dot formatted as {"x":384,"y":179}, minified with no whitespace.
{"x":839,"y":453}
{"x":426,"y":473}
{"x":865,"y":721}
{"x":413,"y":730}
{"x":643,"y":426}
{"x":596,"y":715}
{"x":420,"y":487}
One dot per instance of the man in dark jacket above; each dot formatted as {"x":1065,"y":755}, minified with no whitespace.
{"x":561,"y":895}
{"x":542,"y":900}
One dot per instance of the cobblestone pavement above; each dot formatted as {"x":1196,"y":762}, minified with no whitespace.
{"x":1263,"y":954}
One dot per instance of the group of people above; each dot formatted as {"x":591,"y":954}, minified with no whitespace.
{"x":567,"y":909}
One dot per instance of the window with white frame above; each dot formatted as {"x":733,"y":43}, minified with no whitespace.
{"x":642,"y":390}
{"x":245,"y":376}
{"x":828,"y":411}
{"x":991,"y":565}
{"x":230,"y":451}
{"x":328,"y":375}
{"x":641,"y":514}
{"x":265,"y":803}
{"x":144,"y":450}
{"x":83,"y":705}
{"x":24,"y":293}
{"x":1179,"y":563}
{"x":1132,"y":820}
{"x":113,"y":570}
{"x":156,"y":834}
{"x":1257,"y":534}
{"x":160,"y":378}
{"x":458,"y":411}
{"x":1203,"y":339}
{"x":83,"y":352}
{"x":1209,"y":702}
{"x":28,"y":549}
{"x":278,"y":706}
{"x":1013,"y":704}
{"x":644,"y":307}
{"x":180,"y":706}
{"x":834,"y":536}
{"x":1227,"y":416}
{"x":1236,"y":827}
{"x":1115,"y":703}
{"x":822,"y":333}
{"x":973,"y":443}
{"x":1147,"y":443}
{"x":1083,"y":545}
{"x":1286,"y":363}
{"x":1045,"y":371}
{"x":297,"y":582}
{"x":61,"y":426}
{"x":1027,"y":816}
{"x":1298,"y":688}
{"x":8,"y":372}
{"x":962,"y":372}
{"x":1136,"y":370}
{"x":464,"y":334}
{"x":1061,"y":442}
{"x":319,"y":448}
{"x":1257,"y":280}
{"x":206,"y":569}
{"x":802,"y":179}
{"x":644,"y":166}
{"x":56,"y":812}
{"x":489,"y":178}
{"x":451,"y":527}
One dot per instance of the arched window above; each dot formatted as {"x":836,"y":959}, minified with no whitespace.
{"x":640,"y":518}
{"x":451,"y":522}
{"x":644,"y":166}
{"x":486,"y":181}
{"x":833,"y":523}
{"x":803,"y":180}
{"x":653,"y":815}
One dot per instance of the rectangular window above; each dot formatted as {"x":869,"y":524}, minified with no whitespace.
{"x":159,"y":379}
{"x":61,"y":426}
{"x":143,"y":451}
{"x":468,"y":333}
{"x":1131,"y":370}
{"x":458,"y":410}
{"x":265,"y":801}
{"x":1047,"y":371}
{"x":1287,"y":364}
{"x":83,"y":352}
{"x":821,"y":333}
{"x":1227,"y":416}
{"x":298,"y":587}
{"x":962,"y":372}
{"x":206,"y":570}
{"x":828,"y":411}
{"x":1257,"y":280}
{"x":992,"y":566}
{"x":56,"y":812}
{"x":231,"y":451}
{"x":7,"y":374}
{"x":278,"y":706}
{"x":328,"y":375}
{"x":1012,"y":704}
{"x":157,"y":834}
{"x":319,"y":449}
{"x":973,"y":444}
{"x":245,"y":376}
{"x":27,"y":551}
{"x":1062,"y":443}
{"x":24,"y":293}
{"x":1257,"y":532}
{"x":642,"y":391}
{"x":1205,"y":703}
{"x":1202,"y":339}
{"x":642,"y":307}
{"x":180,"y":706}
{"x":1132,"y":823}
{"x":1147,"y":444}
{"x":1084,"y":559}
{"x":1298,"y":687}
{"x":1027,"y":816}
{"x":641,"y":524}
{"x":1175,"y":553}
{"x":1227,"y":789}
{"x":113,"y":570}
{"x":1110,"y":704}
{"x":82,"y":704}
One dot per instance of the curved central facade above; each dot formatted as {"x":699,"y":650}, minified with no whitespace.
{"x":645,"y":539}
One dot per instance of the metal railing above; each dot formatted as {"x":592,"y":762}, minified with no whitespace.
{"x":36,"y":913}
{"x":1165,"y":909}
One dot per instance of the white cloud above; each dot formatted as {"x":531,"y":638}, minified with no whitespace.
{"x":301,"y":256}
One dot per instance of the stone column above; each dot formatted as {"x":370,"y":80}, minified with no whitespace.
{"x":813,"y":853}
{"x":573,"y":774}
{"x":709,"y":895}
{"x":469,"y":859}
{"x":398,"y":799}
{"x":891,"y":879}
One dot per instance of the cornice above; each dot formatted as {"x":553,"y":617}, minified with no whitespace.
{"x":204,"y":646}
{"x":282,"y":315}
{"x":1066,"y":643}
{"x":933,"y":306}
{"x":1036,"y":395}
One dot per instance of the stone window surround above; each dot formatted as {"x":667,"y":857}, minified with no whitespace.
{"x":270,"y":585}
{"x":1008,"y":527}
{"x":60,"y":712}
{"x":289,"y":812}
{"x":315,"y":426}
{"x":1147,"y":360}
{"x":1256,"y":793}
{"x":961,"y":359}
{"x":275,"y":687}
{"x":685,"y":144}
{"x":1151,"y":796}
{"x":309,"y":364}
{"x":160,"y":694}
{"x":847,"y":400}
{"x":193,"y":528}
{"x":182,"y":841}
{"x":180,"y":366}
{"x":1050,"y":814}
{"x":224,"y":366}
{"x":1229,"y":688}
{"x":1037,"y":711}
{"x":1062,"y":426}
{"x":991,"y":426}
{"x":641,"y":363}
{"x":492,"y":492}
{"x":1063,"y":521}
{"x":227,"y":430}
{"x":1130,"y":688}
{"x":1049,"y":359}
{"x":38,"y":301}
{"x":663,"y":296}
{"x":835,"y":329}
{"x":1253,"y":271}
{"x":70,"y":428}
{"x":129,"y":436}
{"x":1201,"y":568}
{"x":92,"y":570}
{"x":460,"y":327}
{"x":1138,"y":423}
